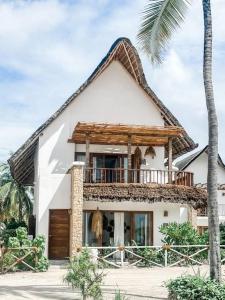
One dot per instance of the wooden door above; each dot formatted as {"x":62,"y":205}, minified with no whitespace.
{"x":59,"y":225}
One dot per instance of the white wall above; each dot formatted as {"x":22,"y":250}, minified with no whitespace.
{"x":176,"y":212}
{"x":200,"y":169}
{"x":113,"y":97}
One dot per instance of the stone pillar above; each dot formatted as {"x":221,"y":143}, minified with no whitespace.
{"x":76,"y":216}
{"x":192,"y":216}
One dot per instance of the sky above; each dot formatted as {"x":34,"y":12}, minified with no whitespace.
{"x":48,"y":49}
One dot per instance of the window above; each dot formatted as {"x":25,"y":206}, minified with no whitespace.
{"x":80,"y":156}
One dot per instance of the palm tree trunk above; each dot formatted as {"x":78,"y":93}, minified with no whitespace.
{"x":213,"y":218}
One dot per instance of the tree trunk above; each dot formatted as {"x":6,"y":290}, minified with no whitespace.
{"x":213,"y":218}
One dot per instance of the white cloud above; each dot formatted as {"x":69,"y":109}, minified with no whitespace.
{"x":49,"y":47}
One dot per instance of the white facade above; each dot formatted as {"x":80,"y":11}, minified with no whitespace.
{"x":199,"y":167}
{"x":113,"y":91}
{"x":176,"y":213}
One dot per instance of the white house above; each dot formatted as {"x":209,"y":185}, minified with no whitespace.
{"x":97,"y":165}
{"x":197,"y":163}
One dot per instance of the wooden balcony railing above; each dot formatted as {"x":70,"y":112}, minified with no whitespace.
{"x":107,"y":175}
{"x":203,"y":212}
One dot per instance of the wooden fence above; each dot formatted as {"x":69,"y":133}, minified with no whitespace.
{"x":19,"y":255}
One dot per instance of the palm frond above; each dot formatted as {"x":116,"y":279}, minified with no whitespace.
{"x":160,"y":19}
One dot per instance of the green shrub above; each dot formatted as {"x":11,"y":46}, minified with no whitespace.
{"x":13,"y":224}
{"x":9,"y":230}
{"x":120,"y":296}
{"x":38,"y":261}
{"x":182,"y":234}
{"x":195,"y":288}
{"x":84,"y":274}
{"x":150,"y":256}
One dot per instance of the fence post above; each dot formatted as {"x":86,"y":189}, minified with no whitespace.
{"x":166,"y":257}
{"x":35,"y":258}
{"x":121,"y":257}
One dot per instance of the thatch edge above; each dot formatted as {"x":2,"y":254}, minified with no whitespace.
{"x":149,"y":193}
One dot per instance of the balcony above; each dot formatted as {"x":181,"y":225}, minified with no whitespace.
{"x":203,"y":212}
{"x":119,"y":175}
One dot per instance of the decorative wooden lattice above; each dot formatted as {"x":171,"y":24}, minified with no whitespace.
{"x":19,"y":254}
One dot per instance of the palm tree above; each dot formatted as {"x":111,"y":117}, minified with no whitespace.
{"x":15,"y":199}
{"x":160,"y":19}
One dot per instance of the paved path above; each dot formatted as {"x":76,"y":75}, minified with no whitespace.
{"x":141,"y":283}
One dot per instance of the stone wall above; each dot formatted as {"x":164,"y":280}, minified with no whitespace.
{"x":76,"y":207}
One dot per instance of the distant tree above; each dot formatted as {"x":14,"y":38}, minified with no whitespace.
{"x":160,"y":19}
{"x":16,"y":200}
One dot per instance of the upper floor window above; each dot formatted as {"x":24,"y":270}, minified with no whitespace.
{"x":80,"y":156}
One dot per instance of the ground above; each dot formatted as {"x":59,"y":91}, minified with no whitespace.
{"x":135,"y":283}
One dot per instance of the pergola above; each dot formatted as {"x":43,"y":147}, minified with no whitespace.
{"x":121,"y":134}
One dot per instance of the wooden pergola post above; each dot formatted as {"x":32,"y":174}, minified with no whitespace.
{"x":129,"y":157}
{"x":170,"y":160}
{"x":87,"y":157}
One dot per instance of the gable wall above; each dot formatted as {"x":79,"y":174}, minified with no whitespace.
{"x":200,"y":169}
{"x":113,"y":97}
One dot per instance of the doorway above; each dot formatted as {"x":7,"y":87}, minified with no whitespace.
{"x":59,"y":229}
{"x":109,"y":168}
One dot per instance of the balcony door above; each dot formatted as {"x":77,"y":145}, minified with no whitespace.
{"x":107,"y":167}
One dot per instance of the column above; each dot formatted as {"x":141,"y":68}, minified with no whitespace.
{"x":170,"y":160}
{"x":76,"y":217}
{"x":129,"y":158}
{"x":87,"y":158}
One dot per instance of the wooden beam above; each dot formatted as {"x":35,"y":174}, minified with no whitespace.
{"x":170,"y":159}
{"x":135,"y":76}
{"x":87,"y":158}
{"x":129,"y":157}
{"x":120,"y":129}
{"x":106,"y":139}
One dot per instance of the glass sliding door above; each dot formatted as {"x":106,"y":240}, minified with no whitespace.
{"x":138,"y":228}
{"x":141,"y":229}
{"x":119,"y":228}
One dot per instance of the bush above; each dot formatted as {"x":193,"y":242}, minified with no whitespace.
{"x":150,"y":256}
{"x":184,"y":234}
{"x":120,"y":296}
{"x":83,"y":274}
{"x":20,"y":240}
{"x":10,"y":230}
{"x":195,"y":288}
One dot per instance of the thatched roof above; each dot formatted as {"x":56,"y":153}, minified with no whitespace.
{"x":150,"y":193}
{"x":220,"y":187}
{"x":22,"y":161}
